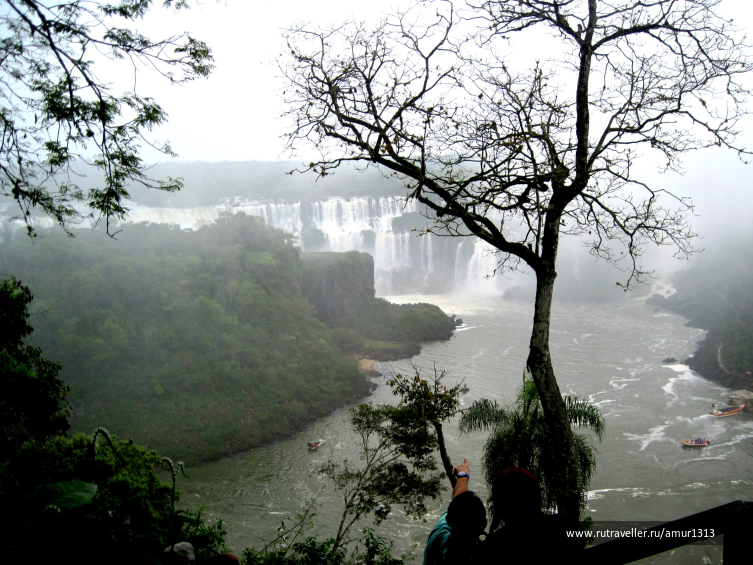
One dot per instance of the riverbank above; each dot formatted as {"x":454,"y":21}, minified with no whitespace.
{"x":724,"y":355}
{"x":366,"y":366}
{"x":610,"y":353}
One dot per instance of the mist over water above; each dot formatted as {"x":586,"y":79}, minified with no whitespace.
{"x":610,"y":353}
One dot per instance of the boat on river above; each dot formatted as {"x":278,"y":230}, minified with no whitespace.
{"x":315,"y":444}
{"x":464,"y":388}
{"x":698,"y":442}
{"x":721,"y":412}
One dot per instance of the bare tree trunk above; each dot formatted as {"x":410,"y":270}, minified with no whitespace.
{"x":539,"y":363}
{"x":446,"y":463}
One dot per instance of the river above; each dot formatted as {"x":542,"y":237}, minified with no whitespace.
{"x":609,"y":352}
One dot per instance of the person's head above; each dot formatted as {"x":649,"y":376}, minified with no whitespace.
{"x":516,"y":495}
{"x":182,"y":552}
{"x":466,"y":516}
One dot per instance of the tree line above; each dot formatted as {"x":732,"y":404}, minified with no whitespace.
{"x":198,"y":343}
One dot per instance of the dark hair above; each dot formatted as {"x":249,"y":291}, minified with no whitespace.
{"x":515,"y":492}
{"x":467,"y":513}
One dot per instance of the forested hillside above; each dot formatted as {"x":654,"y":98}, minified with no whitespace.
{"x":341,"y":287}
{"x":199,"y":344}
{"x":716,"y":296}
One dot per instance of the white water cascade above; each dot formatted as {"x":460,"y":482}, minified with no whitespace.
{"x":387,"y":227}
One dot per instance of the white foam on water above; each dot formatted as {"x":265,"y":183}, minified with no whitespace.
{"x":600,"y":403}
{"x":654,"y":434}
{"x":677,"y":367}
{"x":694,"y":420}
{"x":619,"y":384}
{"x":451,"y":303}
{"x":632,"y":491}
{"x":739,"y":438}
{"x":696,"y":486}
{"x":706,"y":455}
{"x":686,"y":376}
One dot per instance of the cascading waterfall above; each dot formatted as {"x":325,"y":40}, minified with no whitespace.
{"x":386,"y":227}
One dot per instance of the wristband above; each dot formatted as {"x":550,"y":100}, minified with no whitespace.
{"x":464,"y":474}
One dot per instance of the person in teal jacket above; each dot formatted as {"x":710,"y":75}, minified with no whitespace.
{"x":454,"y":538}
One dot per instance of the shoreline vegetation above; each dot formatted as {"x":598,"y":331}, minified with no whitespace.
{"x":201,"y":344}
{"x":714,"y":295}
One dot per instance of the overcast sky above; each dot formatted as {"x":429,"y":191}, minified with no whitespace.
{"x":234,"y":114}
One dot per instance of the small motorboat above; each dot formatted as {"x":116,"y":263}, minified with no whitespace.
{"x":315,"y":444}
{"x":697,"y":442}
{"x":463,"y":388}
{"x":720,"y":412}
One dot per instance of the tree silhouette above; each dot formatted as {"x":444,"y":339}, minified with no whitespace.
{"x":519,"y":437}
{"x":518,"y":159}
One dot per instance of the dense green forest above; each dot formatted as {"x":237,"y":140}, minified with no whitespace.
{"x":715,"y":294}
{"x":197,"y":343}
{"x":341,"y":287}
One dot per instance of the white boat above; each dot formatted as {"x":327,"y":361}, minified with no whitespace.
{"x":315,"y":444}
{"x":721,"y":412}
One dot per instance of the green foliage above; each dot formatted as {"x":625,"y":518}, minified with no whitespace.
{"x":403,"y":322}
{"x":430,"y":399}
{"x":131,"y":509}
{"x":431,"y":402}
{"x":376,"y":550}
{"x":60,"y":487}
{"x":198,"y":344}
{"x":308,"y":552}
{"x":395,"y":467}
{"x":520,"y":437}
{"x":63,"y":487}
{"x":33,"y":404}
{"x":207,"y":539}
{"x":341,"y":287}
{"x":286,"y":549}
{"x":57,"y":110}
{"x":63,"y":495}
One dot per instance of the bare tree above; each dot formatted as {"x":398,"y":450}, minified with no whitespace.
{"x":520,"y":158}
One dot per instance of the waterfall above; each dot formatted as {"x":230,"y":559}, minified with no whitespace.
{"x":386,"y":227}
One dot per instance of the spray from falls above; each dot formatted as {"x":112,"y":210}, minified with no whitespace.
{"x":406,"y":261}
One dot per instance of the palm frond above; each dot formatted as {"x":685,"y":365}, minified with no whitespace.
{"x":584,"y":415}
{"x":482,"y":415}
{"x":520,"y":437}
